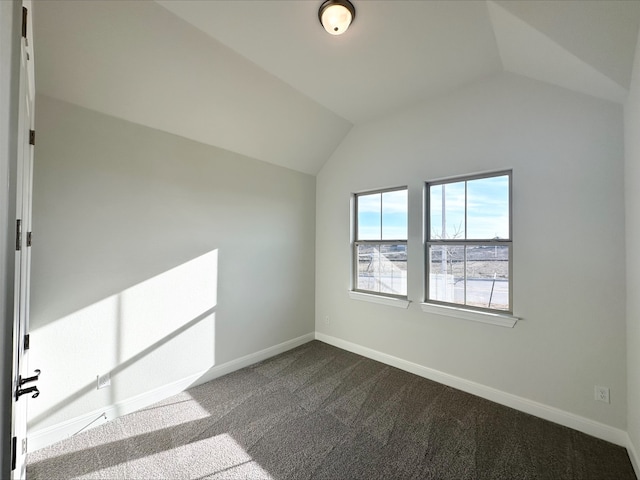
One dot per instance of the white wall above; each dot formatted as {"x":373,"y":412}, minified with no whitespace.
{"x":156,"y":258}
{"x":566,"y":151}
{"x":632,"y":197}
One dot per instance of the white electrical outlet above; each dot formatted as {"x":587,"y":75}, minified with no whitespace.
{"x":327,"y":321}
{"x":103,"y":381}
{"x":602,"y":394}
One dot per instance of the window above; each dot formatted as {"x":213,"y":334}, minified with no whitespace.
{"x":380,"y":246}
{"x":468,"y":242}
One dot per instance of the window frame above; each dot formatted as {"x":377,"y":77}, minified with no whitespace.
{"x":356,"y":242}
{"x":428,"y":241}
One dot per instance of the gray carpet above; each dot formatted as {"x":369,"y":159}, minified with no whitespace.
{"x":321,"y":412}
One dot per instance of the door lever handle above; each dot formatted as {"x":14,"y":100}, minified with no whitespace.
{"x":30,"y":379}
{"x":22,"y":391}
{"x":22,"y":381}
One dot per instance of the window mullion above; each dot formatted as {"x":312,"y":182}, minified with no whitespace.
{"x":380,"y":216}
{"x":465,"y":212}
{"x":465,"y":272}
{"x":464,"y":264}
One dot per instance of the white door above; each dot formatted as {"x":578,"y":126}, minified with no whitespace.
{"x":23,"y":381}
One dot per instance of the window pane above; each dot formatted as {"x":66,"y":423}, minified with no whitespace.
{"x":447,"y":203}
{"x":394,"y":215}
{"x":488,"y":276}
{"x":488,"y":208}
{"x":369,"y":214}
{"x":472,"y":273}
{"x":382,"y":268}
{"x":446,"y":273}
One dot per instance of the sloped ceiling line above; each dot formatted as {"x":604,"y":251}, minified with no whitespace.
{"x":526,"y":51}
{"x":263,"y":79}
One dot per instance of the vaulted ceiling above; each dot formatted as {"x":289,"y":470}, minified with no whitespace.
{"x":263,"y":79}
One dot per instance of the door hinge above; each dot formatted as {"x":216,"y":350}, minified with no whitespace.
{"x":14,"y":453}
{"x":26,"y":342}
{"x":32,"y":137}
{"x":29,"y":238}
{"x":24,"y":446}
{"x":18,"y":234}
{"x":25,"y":13}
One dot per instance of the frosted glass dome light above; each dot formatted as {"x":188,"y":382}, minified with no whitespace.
{"x":336,"y":16}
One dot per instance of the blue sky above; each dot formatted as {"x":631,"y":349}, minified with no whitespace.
{"x":383,"y":216}
{"x":487,"y":203}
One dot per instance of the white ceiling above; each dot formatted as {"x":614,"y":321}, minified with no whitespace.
{"x":263,"y":79}
{"x":394,"y":53}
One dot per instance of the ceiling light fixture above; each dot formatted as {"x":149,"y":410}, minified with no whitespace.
{"x":336,"y":16}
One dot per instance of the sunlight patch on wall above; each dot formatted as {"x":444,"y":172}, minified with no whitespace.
{"x":153,"y":309}
{"x":159,"y":331}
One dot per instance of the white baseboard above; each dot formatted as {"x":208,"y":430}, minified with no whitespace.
{"x":582,"y":424}
{"x":633,"y":456}
{"x":55,"y":433}
{"x":238,"y":363}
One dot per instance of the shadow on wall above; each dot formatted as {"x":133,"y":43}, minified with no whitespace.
{"x":154,"y":333}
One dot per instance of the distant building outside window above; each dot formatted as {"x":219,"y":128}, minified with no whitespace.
{"x":468,"y":242}
{"x":380,"y":242}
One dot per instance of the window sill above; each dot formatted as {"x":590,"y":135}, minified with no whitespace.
{"x":501,"y":319}
{"x":390,"y":301}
